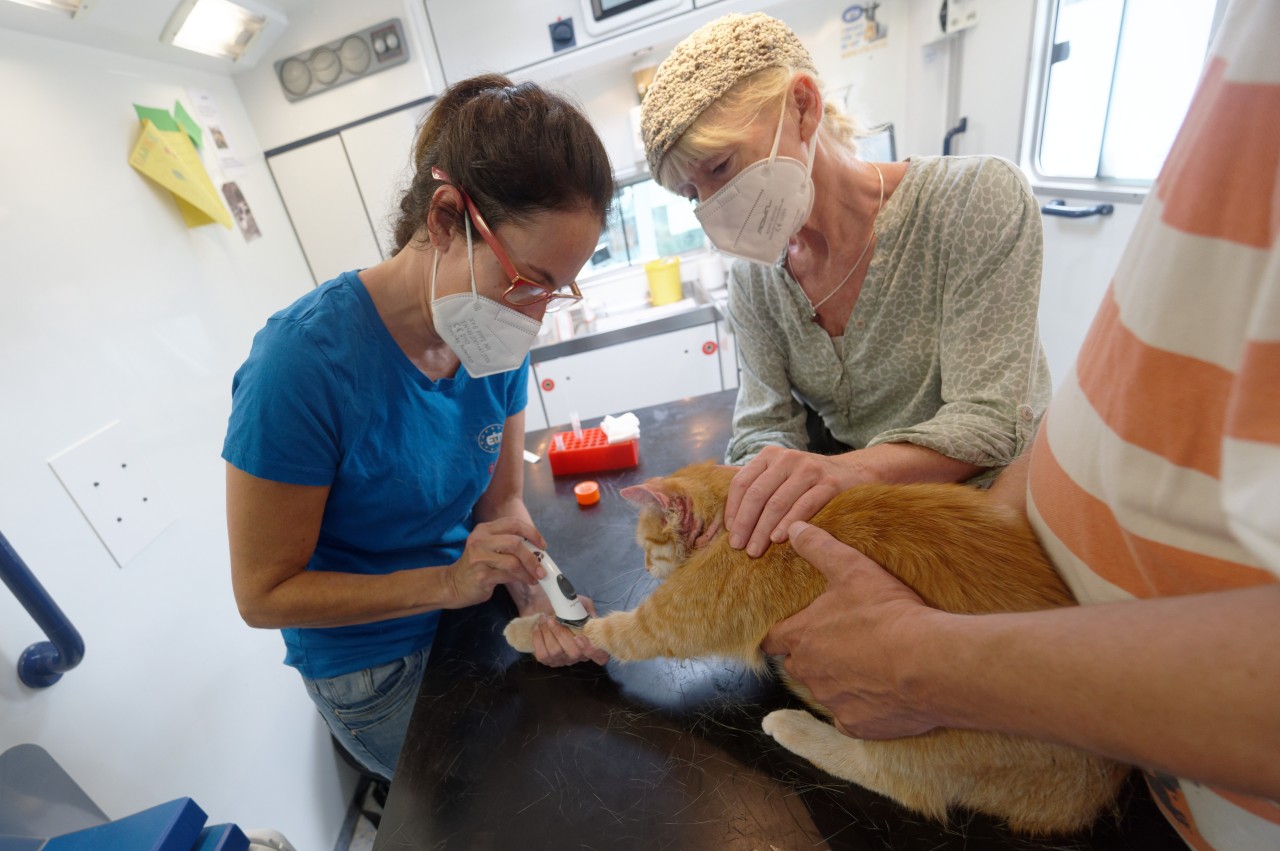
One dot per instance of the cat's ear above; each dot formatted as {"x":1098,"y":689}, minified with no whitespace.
{"x":645,"y":494}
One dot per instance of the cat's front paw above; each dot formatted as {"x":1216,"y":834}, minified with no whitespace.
{"x":519,"y":633}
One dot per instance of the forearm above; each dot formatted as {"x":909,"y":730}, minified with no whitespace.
{"x":1188,"y":685}
{"x":904,"y":463}
{"x":1010,"y":487}
{"x":321,"y":598}
{"x":509,"y":506}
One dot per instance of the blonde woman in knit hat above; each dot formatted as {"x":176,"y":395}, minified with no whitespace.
{"x":895,"y":302}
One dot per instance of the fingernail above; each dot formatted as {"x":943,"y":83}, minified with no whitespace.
{"x":735,"y":541}
{"x":755,"y":550}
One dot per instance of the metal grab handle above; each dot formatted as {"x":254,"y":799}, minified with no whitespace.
{"x":1058,"y":207}
{"x":951,"y":134}
{"x":43,"y":663}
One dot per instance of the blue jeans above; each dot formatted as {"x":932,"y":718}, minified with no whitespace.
{"x":368,"y":710}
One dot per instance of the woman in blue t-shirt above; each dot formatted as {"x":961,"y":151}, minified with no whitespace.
{"x":374,"y":452}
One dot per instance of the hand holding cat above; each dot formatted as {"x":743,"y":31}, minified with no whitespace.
{"x":845,"y":644}
{"x":778,"y":487}
{"x":494,"y":554}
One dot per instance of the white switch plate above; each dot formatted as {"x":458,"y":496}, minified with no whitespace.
{"x":114,"y":490}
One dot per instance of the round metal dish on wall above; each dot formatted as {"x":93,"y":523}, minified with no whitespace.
{"x":355,"y":54}
{"x":325,"y":65}
{"x":295,"y":76}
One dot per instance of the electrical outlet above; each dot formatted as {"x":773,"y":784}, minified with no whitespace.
{"x":110,"y":483}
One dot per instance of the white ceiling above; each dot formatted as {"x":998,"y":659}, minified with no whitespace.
{"x":124,"y":26}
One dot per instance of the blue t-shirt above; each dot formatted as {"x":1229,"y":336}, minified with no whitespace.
{"x":327,"y":397}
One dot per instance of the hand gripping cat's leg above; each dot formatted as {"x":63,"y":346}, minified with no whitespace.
{"x":851,"y":759}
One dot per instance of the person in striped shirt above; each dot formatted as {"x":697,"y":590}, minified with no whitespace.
{"x":1154,"y":485}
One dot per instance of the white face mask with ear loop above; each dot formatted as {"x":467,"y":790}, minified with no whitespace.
{"x":754,"y":214}
{"x":487,"y":336}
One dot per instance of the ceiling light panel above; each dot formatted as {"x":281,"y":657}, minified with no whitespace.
{"x":216,"y":27}
{"x":72,"y":8}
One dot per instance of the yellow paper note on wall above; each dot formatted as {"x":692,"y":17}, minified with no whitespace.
{"x":169,"y":159}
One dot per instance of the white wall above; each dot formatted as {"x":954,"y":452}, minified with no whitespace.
{"x":279,"y":121}
{"x":110,"y":308}
{"x":899,"y":80}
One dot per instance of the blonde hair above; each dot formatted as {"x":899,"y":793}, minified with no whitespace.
{"x":724,"y":123}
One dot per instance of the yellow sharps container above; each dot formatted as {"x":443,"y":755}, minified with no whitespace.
{"x":664,"y":280}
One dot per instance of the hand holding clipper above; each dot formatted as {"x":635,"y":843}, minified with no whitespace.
{"x":564,"y":599}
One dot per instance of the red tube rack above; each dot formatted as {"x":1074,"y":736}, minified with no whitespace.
{"x":590,"y":453}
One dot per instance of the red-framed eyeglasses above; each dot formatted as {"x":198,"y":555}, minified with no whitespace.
{"x":523,"y":291}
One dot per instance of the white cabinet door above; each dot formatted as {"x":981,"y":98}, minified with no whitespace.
{"x":514,"y":33}
{"x":1080,"y":256}
{"x":534,"y":417}
{"x":381,"y":157}
{"x":324,"y":205}
{"x":620,"y":378}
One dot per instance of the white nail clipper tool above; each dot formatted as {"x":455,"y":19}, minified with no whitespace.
{"x":564,"y":599}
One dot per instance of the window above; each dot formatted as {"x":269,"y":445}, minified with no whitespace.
{"x":646,"y":222}
{"x":1118,"y":77}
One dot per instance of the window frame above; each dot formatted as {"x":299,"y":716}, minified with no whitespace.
{"x":1084,"y":188}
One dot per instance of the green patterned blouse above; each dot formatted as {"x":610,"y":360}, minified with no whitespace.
{"x":941,"y":349}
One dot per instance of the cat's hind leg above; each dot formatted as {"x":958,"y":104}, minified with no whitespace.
{"x":855,"y":760}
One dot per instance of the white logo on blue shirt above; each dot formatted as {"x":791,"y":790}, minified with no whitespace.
{"x":490,"y":438}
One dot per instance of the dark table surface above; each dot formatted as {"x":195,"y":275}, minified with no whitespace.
{"x":503,"y":753}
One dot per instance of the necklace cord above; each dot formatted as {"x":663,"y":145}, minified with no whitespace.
{"x":813,"y":317}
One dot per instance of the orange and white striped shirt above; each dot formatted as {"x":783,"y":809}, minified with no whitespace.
{"x":1157,"y":469}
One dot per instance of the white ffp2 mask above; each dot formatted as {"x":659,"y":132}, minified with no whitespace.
{"x":486,"y":335}
{"x":754,"y":214}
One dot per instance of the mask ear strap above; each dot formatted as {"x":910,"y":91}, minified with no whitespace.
{"x":470,"y":257}
{"x":777,"y":137}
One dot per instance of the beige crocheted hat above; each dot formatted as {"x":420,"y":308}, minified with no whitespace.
{"x":706,"y":65}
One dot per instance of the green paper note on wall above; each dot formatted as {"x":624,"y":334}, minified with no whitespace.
{"x":159,"y":117}
{"x":188,"y":124}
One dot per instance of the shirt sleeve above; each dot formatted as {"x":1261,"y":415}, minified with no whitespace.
{"x":995,"y":380}
{"x":766,"y":413}
{"x":286,"y":410}
{"x":518,"y":389}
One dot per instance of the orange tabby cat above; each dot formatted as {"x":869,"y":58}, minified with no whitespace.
{"x":958,"y":549}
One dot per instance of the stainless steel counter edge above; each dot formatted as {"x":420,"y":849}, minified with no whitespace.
{"x":699,"y":315}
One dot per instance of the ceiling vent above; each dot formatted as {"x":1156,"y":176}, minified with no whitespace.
{"x":343,"y":60}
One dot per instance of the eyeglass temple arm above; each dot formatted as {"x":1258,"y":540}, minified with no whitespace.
{"x":477,"y":219}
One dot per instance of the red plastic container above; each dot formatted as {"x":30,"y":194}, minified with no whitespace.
{"x":590,"y":453}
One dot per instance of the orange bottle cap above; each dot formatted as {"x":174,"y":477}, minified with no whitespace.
{"x":588,"y":493}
